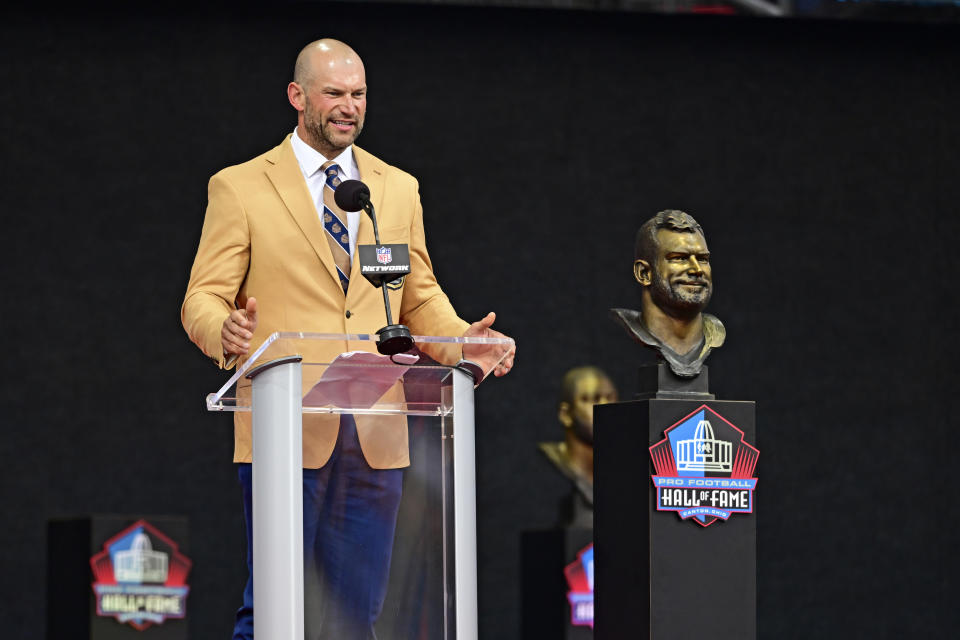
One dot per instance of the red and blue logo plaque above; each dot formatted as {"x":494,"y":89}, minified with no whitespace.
{"x":704,"y":468}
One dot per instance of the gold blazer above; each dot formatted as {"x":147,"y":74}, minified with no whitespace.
{"x":262,"y":237}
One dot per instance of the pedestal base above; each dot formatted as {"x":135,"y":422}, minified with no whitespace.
{"x":658,"y":576}
{"x":71,"y":602}
{"x":546,"y":610}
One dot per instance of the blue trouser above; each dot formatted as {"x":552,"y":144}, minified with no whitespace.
{"x":349,"y":518}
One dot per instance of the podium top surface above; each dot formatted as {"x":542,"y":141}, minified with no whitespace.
{"x":343,"y":373}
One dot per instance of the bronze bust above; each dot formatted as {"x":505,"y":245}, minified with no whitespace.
{"x":672,"y":265}
{"x":581,"y":389}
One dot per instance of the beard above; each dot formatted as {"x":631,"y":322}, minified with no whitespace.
{"x":584,"y":432}
{"x":325,"y":134}
{"x":677,"y":300}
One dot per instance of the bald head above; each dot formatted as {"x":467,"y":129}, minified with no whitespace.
{"x":325,"y":53}
{"x":329,"y":92}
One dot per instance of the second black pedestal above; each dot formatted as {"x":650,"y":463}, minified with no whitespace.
{"x":546,"y":610}
{"x":146,"y":606}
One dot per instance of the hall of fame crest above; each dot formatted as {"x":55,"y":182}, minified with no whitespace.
{"x":140,"y":577}
{"x":579,"y":575}
{"x":704,"y":468}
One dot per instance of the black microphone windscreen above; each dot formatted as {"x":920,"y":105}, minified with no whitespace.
{"x":351,"y":195}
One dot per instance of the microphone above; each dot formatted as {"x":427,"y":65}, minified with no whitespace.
{"x":376,"y":264}
{"x":352,"y":195}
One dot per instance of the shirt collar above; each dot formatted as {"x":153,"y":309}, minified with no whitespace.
{"x":310,"y":160}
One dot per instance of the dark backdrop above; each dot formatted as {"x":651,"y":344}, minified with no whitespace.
{"x":820,"y":158}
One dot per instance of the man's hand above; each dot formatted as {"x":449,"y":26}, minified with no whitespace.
{"x":238,"y":329}
{"x":487,"y":355}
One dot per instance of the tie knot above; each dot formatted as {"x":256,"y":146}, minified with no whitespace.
{"x":332,"y":169}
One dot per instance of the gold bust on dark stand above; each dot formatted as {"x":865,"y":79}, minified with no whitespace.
{"x":581,"y":389}
{"x":672,"y":264}
{"x":644,"y":556}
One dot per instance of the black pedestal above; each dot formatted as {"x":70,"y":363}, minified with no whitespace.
{"x":658,"y":576}
{"x":72,"y":603}
{"x":545,"y":607}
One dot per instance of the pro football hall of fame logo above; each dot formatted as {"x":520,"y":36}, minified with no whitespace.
{"x":579,"y":576}
{"x":704,"y":468}
{"x":140,"y":577}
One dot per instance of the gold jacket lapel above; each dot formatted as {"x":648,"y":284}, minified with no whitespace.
{"x":373,"y":175}
{"x":284,"y":172}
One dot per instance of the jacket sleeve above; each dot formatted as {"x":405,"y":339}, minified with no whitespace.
{"x":219,"y":268}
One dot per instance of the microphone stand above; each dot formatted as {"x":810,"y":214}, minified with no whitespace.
{"x":393,"y":338}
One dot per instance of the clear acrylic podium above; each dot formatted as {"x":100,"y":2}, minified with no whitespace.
{"x":432,"y":591}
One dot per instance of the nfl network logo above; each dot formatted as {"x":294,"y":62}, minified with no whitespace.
{"x":383,"y":255}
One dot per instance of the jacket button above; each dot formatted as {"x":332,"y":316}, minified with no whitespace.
{"x":348,"y":313}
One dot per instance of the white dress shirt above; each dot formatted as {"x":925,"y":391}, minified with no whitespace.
{"x":310,"y":161}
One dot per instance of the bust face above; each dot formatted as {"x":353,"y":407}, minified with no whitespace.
{"x":590,"y":389}
{"x":680,"y":278}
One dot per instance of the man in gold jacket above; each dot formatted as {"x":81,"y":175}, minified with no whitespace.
{"x":266,"y":262}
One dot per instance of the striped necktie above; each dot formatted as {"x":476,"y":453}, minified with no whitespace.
{"x":335,"y":223}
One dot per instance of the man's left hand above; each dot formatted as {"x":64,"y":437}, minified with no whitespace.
{"x":488,"y":356}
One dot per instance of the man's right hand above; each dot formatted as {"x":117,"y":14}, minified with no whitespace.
{"x":238,"y":329}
